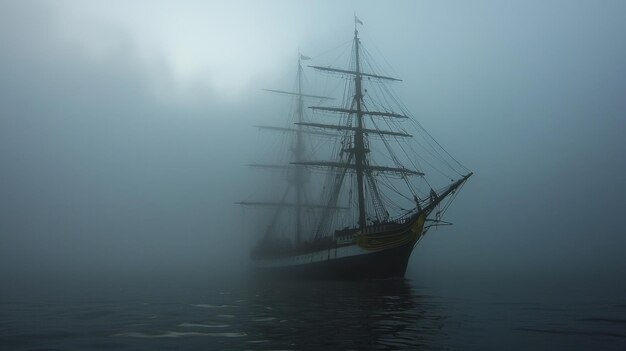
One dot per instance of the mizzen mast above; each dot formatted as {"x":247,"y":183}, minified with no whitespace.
{"x":297,"y":177}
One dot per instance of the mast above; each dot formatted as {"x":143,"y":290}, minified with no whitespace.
{"x":298,"y":177}
{"x":299,"y":181}
{"x":350,"y":156}
{"x":359,"y":144}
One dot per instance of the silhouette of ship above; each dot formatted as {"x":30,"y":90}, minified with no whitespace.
{"x":352,"y":216}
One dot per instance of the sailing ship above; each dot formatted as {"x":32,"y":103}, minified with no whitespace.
{"x":351,"y":216}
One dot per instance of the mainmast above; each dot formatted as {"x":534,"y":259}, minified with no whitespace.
{"x":299,"y":176}
{"x":358,"y":150}
{"x":359,"y":143}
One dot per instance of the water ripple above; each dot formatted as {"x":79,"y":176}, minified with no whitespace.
{"x":391,"y":314}
{"x":175,"y":334}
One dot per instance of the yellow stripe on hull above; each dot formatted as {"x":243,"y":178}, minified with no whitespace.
{"x":381,"y":241}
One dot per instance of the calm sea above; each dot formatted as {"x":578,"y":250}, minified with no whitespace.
{"x":296,"y":315}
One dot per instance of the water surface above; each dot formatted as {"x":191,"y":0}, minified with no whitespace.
{"x":271,"y":315}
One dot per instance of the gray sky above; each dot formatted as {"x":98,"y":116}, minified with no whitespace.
{"x":124,"y":126}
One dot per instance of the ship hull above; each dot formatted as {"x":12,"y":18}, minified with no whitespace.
{"x":388,"y":263}
{"x":372,"y":256}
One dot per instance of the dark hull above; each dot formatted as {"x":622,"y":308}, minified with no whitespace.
{"x":374,"y":255}
{"x":389,"y":263}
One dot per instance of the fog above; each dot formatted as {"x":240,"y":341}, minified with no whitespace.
{"x":125,"y":128}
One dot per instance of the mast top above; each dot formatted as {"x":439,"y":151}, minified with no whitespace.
{"x":356,"y":30}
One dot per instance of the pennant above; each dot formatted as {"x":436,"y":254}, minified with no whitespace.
{"x":357,"y":20}
{"x":302,"y":57}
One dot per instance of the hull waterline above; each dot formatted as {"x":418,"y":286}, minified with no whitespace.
{"x":379,"y":255}
{"x":390,"y":263}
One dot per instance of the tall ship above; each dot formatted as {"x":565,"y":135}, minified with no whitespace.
{"x":350,"y":196}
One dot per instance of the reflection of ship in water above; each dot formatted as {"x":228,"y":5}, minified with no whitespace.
{"x":343,"y":315}
{"x":263,"y":314}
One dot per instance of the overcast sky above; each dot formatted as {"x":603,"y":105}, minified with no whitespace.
{"x":124,"y":126}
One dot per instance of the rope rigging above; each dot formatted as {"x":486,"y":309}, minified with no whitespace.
{"x":370,"y":153}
